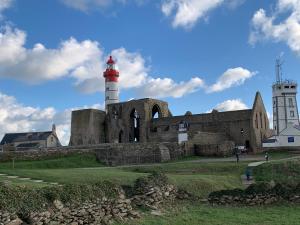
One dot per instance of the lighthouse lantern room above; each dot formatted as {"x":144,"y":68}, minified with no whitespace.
{"x":111,"y":76}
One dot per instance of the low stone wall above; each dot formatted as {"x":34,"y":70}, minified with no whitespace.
{"x":260,"y":194}
{"x":150,"y":192}
{"x":223,"y":149}
{"x":110,"y":154}
{"x":138,"y":153}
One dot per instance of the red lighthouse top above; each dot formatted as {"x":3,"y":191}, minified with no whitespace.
{"x":111,"y":74}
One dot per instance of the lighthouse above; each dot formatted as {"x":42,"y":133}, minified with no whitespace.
{"x":111,"y":76}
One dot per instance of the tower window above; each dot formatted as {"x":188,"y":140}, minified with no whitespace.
{"x":291,"y":102}
{"x":292,"y":114}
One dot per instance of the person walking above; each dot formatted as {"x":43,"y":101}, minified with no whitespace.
{"x":237,"y":156}
{"x":267,"y":156}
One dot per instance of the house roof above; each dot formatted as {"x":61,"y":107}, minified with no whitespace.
{"x":21,"y":137}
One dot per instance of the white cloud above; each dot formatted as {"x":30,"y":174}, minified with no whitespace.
{"x":231,"y":105}
{"x":132,"y":67}
{"x":85,"y":62}
{"x":186,"y":13}
{"x":166,"y":87}
{"x":15,"y":117}
{"x":5,"y":4}
{"x":277,"y":27}
{"x":232,"y":77}
{"x":88,"y":5}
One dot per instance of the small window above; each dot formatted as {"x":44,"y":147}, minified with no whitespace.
{"x":274,"y":102}
{"x":291,"y":139}
{"x":293,"y":87}
{"x":291,"y":102}
{"x":275,"y":127}
{"x":51,"y":139}
{"x":107,"y":88}
{"x":107,"y":98}
{"x":292,"y":114}
{"x":286,"y":86}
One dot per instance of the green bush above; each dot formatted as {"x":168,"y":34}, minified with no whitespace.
{"x":234,"y":193}
{"x":258,"y":188}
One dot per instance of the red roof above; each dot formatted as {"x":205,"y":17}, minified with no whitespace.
{"x":110,"y":60}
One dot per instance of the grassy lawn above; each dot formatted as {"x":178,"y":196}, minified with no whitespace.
{"x":196,"y":214}
{"x":73,"y":161}
{"x":197,"y":178}
{"x":284,"y":171}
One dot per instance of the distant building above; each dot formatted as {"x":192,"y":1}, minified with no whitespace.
{"x":285,"y":113}
{"x":30,"y":140}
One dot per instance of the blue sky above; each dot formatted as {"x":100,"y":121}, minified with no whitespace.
{"x":195,"y":54}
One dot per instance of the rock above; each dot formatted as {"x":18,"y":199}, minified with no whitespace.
{"x":58,"y":204}
{"x":156,"y":213}
{"x":15,"y":222}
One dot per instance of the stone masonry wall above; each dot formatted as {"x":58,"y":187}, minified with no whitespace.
{"x":110,"y":154}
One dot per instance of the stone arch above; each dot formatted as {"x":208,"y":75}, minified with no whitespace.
{"x":134,"y":129}
{"x":156,"y":112}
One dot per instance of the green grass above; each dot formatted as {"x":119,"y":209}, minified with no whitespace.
{"x":77,"y":176}
{"x":193,"y":168}
{"x":197,"y":178}
{"x":284,"y":171}
{"x":198,"y":214}
{"x":72,"y":161}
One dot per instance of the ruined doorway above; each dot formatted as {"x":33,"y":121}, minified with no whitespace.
{"x":156,"y":112}
{"x":134,"y":133}
{"x":120,"y":136}
{"x":247,"y":145}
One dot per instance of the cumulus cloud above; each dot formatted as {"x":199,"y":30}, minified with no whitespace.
{"x":166,"y":87}
{"x":5,"y":4}
{"x":85,"y":61}
{"x":278,"y":27}
{"x":15,"y":117}
{"x":231,"y":105}
{"x":132,"y":66}
{"x":88,"y":5}
{"x":231,"y":77}
{"x":186,"y":13}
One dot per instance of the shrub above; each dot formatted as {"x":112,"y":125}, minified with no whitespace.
{"x":258,"y":188}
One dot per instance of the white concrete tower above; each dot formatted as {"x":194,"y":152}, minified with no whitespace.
{"x":111,"y":76}
{"x":285,"y":108}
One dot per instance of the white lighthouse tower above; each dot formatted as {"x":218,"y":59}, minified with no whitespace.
{"x":111,"y":76}
{"x":285,"y":110}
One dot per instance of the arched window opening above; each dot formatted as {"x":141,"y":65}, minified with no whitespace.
{"x":256,"y":121}
{"x":134,"y":134}
{"x":156,"y":112}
